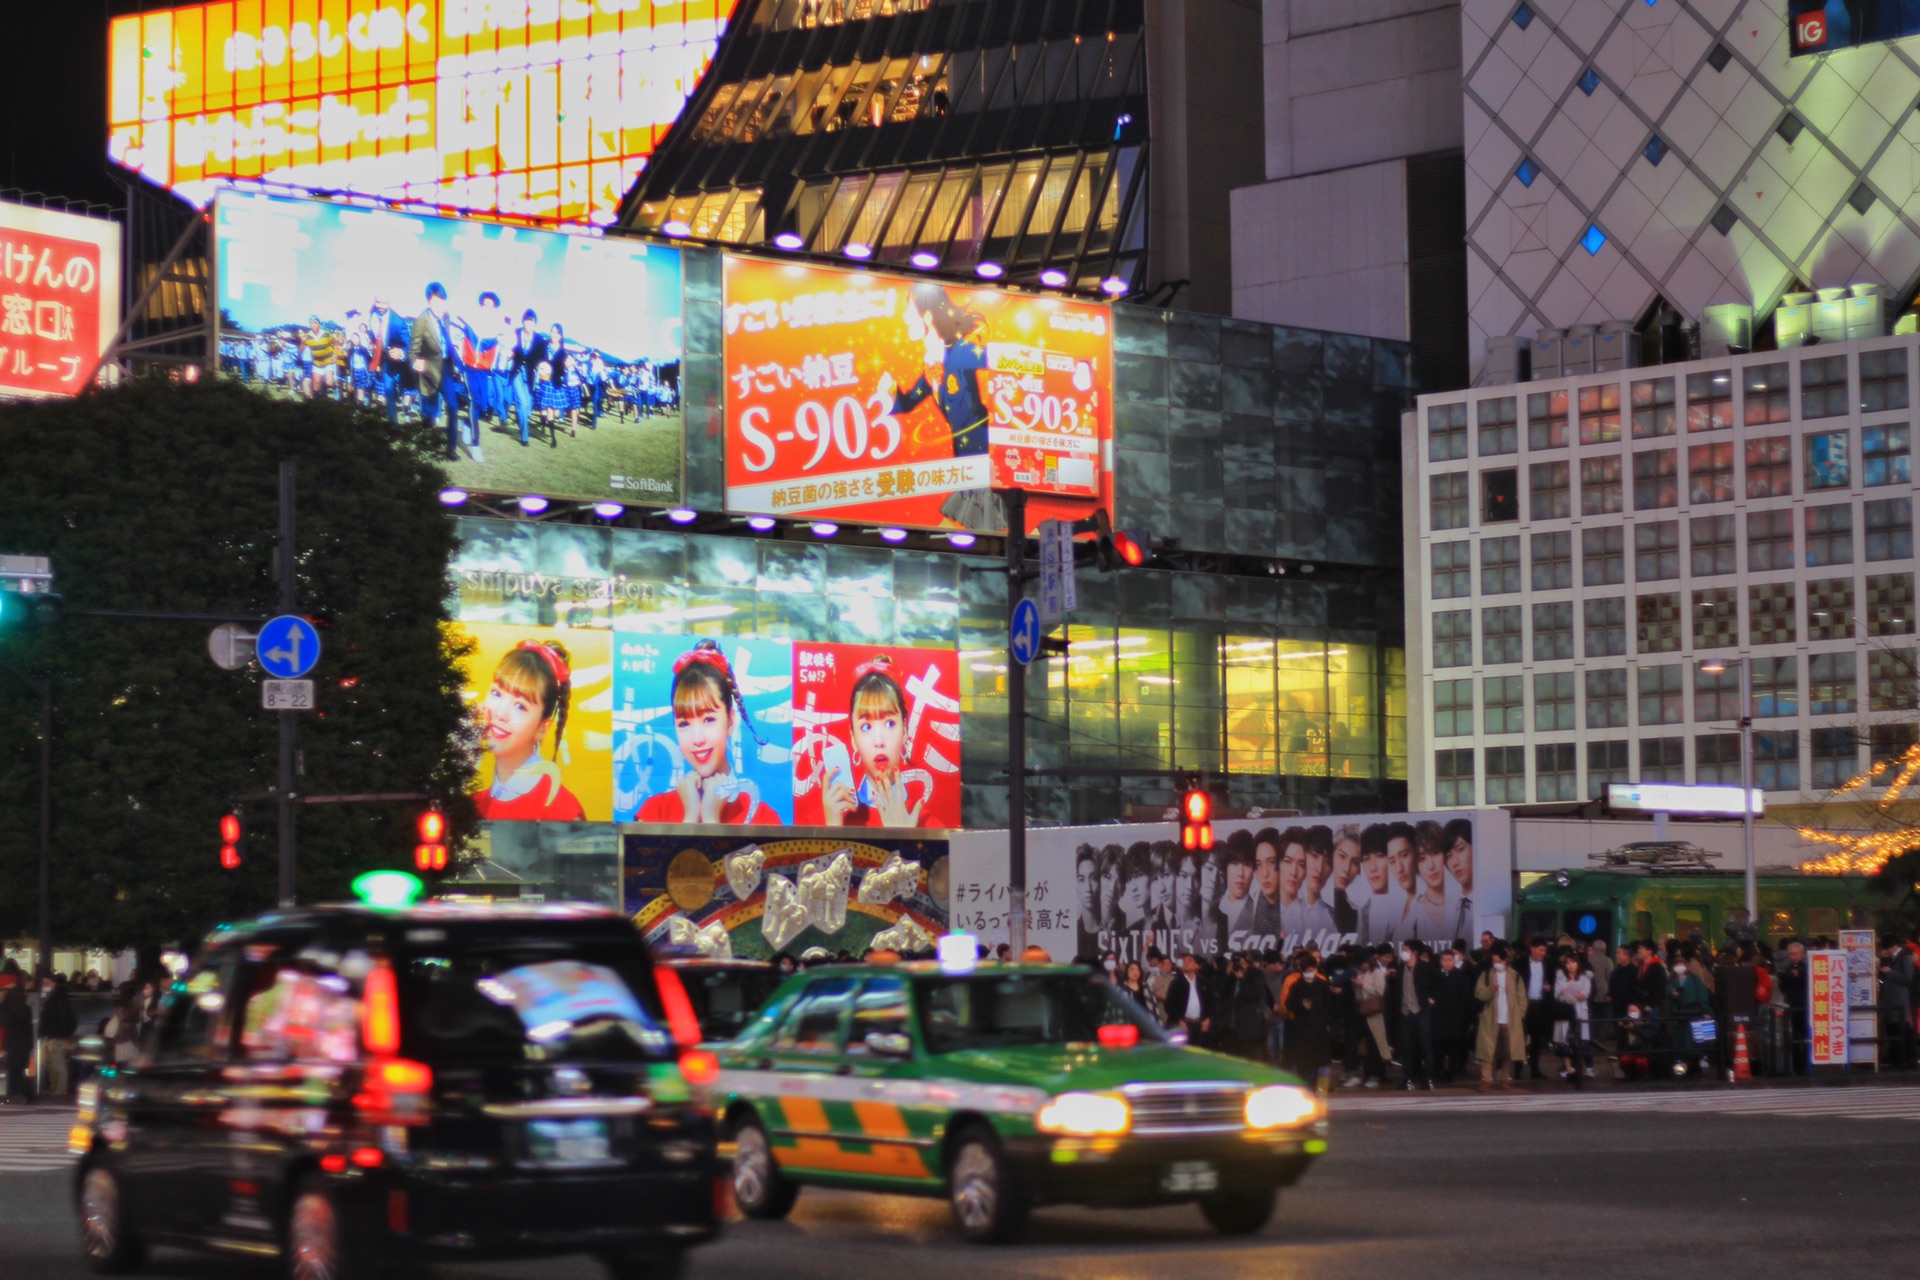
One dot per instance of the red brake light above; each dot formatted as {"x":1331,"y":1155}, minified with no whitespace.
{"x":380,"y":1012}
{"x":1120,"y":1035}
{"x":401,"y":1075}
{"x":333,"y":1162}
{"x":698,"y":1067}
{"x":369,"y":1157}
{"x":679,"y":1010}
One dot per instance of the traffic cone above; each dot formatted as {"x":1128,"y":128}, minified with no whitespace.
{"x":1742,"y":1069}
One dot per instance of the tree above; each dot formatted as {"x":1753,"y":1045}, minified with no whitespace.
{"x":163,"y":496}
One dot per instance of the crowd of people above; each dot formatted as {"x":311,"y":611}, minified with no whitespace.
{"x":42,"y":1013}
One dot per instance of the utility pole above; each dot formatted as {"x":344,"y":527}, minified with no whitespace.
{"x":289,"y":590}
{"x":1015,"y":502}
{"x":46,"y":825}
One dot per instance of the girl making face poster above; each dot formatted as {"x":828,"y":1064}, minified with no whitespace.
{"x":706,"y":708}
{"x":530,"y":693}
{"x":877,"y":725}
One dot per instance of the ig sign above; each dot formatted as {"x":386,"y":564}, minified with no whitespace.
{"x":59,"y":299}
{"x":1809,"y":31}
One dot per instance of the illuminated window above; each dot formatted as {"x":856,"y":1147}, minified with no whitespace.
{"x":1710,"y":401}
{"x":1547,"y":421}
{"x":1653,"y":411}
{"x":1827,"y":461}
{"x":1764,"y":388}
{"x":1770,"y":467}
{"x":1600,"y":414}
{"x":1710,"y":473}
{"x":1893,"y":682}
{"x":1884,"y":455}
{"x":1776,"y":687}
{"x":1830,"y":609}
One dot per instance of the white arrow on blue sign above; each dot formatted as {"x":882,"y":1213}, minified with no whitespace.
{"x":287,"y":647}
{"x":1023,"y":634}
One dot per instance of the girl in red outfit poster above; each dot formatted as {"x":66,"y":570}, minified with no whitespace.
{"x":892,"y":759}
{"x":706,"y":707}
{"x":530,"y":693}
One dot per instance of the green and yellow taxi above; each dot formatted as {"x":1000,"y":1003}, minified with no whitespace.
{"x":1001,"y":1087}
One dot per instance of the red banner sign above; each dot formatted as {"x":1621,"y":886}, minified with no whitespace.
{"x":1827,"y":1007}
{"x":59,"y":299}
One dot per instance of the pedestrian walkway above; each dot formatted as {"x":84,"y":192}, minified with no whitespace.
{"x":1852,"y":1102}
{"x":34,"y":1139}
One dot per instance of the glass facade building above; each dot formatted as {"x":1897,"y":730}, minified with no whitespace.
{"x":941,"y":133}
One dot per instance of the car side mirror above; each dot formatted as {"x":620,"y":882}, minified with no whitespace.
{"x":890,"y":1044}
{"x":91,"y":1050}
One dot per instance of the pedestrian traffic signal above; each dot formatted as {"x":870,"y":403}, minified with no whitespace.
{"x":1114,"y":548}
{"x":1196,"y":819}
{"x":230,"y":834}
{"x":431,"y":853}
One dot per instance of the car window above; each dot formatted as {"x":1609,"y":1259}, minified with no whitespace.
{"x":724,"y":1000}
{"x":292,"y":1013}
{"x":1002,"y":1011}
{"x":813,"y":1024}
{"x":196,"y":1025}
{"x":881,"y":1008}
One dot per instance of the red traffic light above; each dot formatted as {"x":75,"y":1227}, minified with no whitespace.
{"x":229,"y":828}
{"x":1197,"y":806}
{"x":430,"y":857}
{"x":229,"y":858}
{"x":1131,"y":553}
{"x":432,"y":826}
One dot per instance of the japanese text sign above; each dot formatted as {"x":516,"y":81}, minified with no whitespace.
{"x":59,"y":299}
{"x":886,"y":398}
{"x":1827,"y":1007}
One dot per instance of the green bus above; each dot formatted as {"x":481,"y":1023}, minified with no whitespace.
{"x":1621,"y":904}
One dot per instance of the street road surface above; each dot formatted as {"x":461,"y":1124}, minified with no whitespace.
{"x":1766,"y":1182}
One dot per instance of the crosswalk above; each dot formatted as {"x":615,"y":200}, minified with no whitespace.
{"x":35,"y":1141}
{"x":1853,"y":1102}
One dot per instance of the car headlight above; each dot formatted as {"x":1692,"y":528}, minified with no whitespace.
{"x":1085,"y":1115}
{"x":1279,"y":1105}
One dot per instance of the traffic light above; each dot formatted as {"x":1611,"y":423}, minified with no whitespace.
{"x":431,"y":853}
{"x":1114,"y":548}
{"x":1196,"y":818}
{"x":230,"y":834}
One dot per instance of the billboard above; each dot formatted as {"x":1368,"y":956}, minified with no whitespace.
{"x":59,"y":299}
{"x":724,"y":898}
{"x":902,"y":401}
{"x":1823,"y":26}
{"x":555,"y":358}
{"x":540,"y":109}
{"x":1269,"y":884}
{"x":624,"y":725}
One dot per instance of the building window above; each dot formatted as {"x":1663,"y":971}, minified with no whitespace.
{"x":1710,"y":401}
{"x":1499,"y":495}
{"x":1836,"y":757}
{"x":1547,"y":420}
{"x":1552,"y":701}
{"x":1716,"y":695}
{"x":1710,"y":473}
{"x":1776,"y":760}
{"x":1606,"y":628}
{"x":1712,"y":542}
{"x":1771,"y":613}
{"x":1829,"y":535}
{"x":1657,"y":623}
{"x":1656,"y":550}
{"x":1888,"y":744}
{"x":1776,"y":687}
{"x":1453,"y":638}
{"x":1889,"y":602}
{"x":1600,"y":414}
{"x":1607,"y":698}
{"x":1500,"y":637}
{"x":1653,"y":413}
{"x":1606,"y":764}
{"x":1603,"y":559}
{"x":1447,"y":500}
{"x":1453,"y":778}
{"x":1823,"y":387}
{"x":1827,"y":461}
{"x":1830,"y":609}
{"x":1889,"y":524}
{"x":1599,"y":486}
{"x":1716,"y":758}
{"x":1504,"y":704}
{"x":1770,"y":539}
{"x":1548,"y":481}
{"x":1663,"y":759}
{"x":1452,"y":570}
{"x":1830,"y":684}
{"x":1499,"y":430}
{"x":1663,"y":694}
{"x":1770,"y":467}
{"x":1446,"y":432}
{"x":1766,"y":394}
{"x":1552,"y":561}
{"x":1891,"y":680}
{"x":1553,"y":631}
{"x":1506,"y":775}
{"x":1499,"y":566}
{"x":1452,"y":708}
{"x":1656,"y":481}
{"x":1883,"y":380}
{"x":1716,"y":618}
{"x":1555,"y":772}
{"x":1884,"y":455}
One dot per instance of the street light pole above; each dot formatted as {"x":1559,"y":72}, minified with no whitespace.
{"x":1746,"y":790}
{"x":1015,"y":503}
{"x":43,"y":688}
{"x":289,"y":589}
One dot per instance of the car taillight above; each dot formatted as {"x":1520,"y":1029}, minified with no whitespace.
{"x":400,"y":1075}
{"x":698,"y":1067}
{"x":679,"y":1010}
{"x":1119,"y":1035}
{"x":380,"y":1011}
{"x":394,"y":1086}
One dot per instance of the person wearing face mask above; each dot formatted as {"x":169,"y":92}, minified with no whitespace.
{"x":1503,"y":1011}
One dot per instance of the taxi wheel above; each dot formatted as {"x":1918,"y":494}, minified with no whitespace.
{"x":759,"y":1188}
{"x":320,"y":1245}
{"x":988,"y":1203}
{"x":106,"y":1238}
{"x":1239,"y":1213}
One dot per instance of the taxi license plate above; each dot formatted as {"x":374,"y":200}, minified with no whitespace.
{"x":1190,"y":1175}
{"x":567,"y":1142}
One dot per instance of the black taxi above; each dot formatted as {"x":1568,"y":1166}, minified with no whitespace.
{"x":348,"y":1087}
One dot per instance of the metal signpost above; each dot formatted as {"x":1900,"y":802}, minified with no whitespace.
{"x":1059,"y":595}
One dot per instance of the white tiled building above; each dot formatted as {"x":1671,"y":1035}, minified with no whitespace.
{"x":1577,"y":547}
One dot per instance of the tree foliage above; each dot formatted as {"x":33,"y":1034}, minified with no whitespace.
{"x":162,"y":496}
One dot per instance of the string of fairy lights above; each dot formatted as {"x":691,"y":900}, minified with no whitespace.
{"x":1865,"y":852}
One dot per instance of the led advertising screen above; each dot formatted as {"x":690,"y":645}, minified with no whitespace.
{"x":630,"y":726}
{"x":1823,"y":26}
{"x":903,"y":401}
{"x":541,"y":109}
{"x":551,"y":361}
{"x":59,"y":299}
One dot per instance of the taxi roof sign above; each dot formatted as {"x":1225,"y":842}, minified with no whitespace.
{"x":388,"y":890}
{"x":958,"y":952}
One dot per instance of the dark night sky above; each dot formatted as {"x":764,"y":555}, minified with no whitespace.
{"x":53,"y":97}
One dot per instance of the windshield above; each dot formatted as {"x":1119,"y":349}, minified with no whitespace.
{"x":1003,"y":1011}
{"x":544,"y":1000}
{"x":724,"y":999}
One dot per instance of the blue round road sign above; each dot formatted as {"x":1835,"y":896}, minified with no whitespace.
{"x":1023,"y":635}
{"x":287,"y":647}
